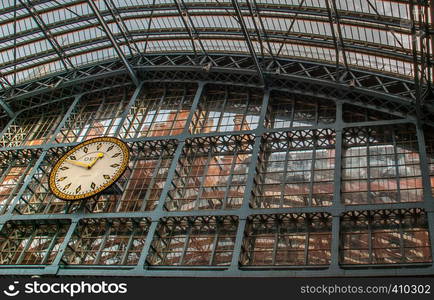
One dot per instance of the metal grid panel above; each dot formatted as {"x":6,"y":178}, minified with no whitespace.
{"x":385,"y":237}
{"x":31,"y":243}
{"x":289,"y":111}
{"x":295,"y":169}
{"x":211,"y":174}
{"x":381,"y":165}
{"x":159,"y":112}
{"x":287,"y":240}
{"x":107,"y":242}
{"x":227,"y":110}
{"x":200,"y":241}
{"x":98,"y":116}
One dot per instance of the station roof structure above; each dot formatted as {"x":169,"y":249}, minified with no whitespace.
{"x":383,"y":49}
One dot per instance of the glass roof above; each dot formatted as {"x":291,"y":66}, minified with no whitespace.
{"x":41,"y":37}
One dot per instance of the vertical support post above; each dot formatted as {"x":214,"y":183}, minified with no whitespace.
{"x":337,"y":205}
{"x":148,"y":242}
{"x":197,"y":96}
{"x":337,"y":202}
{"x":170,"y":174}
{"x":54,"y":267}
{"x":430,"y":217}
{"x":424,"y":168}
{"x":244,"y":210}
{"x":334,"y":263}
{"x":127,"y":109}
{"x":236,"y":254}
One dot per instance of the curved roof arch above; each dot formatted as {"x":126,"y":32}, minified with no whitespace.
{"x":40,"y":39}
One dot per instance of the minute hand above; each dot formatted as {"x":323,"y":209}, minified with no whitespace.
{"x":77,"y":163}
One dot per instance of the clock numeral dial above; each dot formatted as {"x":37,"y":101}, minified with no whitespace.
{"x":89,"y":168}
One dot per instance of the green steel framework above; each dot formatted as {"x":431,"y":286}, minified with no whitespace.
{"x":141,"y":269}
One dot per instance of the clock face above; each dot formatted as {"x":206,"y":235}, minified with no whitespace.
{"x":89,"y":168}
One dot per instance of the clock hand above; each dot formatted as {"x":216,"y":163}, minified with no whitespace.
{"x":100,"y":155}
{"x":77,"y":163}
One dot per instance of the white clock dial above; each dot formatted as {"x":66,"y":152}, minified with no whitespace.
{"x":89,"y":168}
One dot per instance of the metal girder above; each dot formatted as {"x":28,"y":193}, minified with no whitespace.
{"x":248,"y":40}
{"x":378,"y":89}
{"x":48,"y":35}
{"x":122,"y":26}
{"x":7,"y":108}
{"x":114,"y":43}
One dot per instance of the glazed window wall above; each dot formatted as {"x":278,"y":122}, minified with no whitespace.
{"x":13,"y":172}
{"x":295,"y":169}
{"x":385,"y":237}
{"x":291,"y":111}
{"x":34,"y":127}
{"x":159,"y":112}
{"x":179,"y":180}
{"x":381,"y":165}
{"x":211,"y":173}
{"x":94,"y":116}
{"x":287,"y":240}
{"x":26,"y":243}
{"x":37,"y":197}
{"x":141,"y":186}
{"x":107,"y":242}
{"x":193,"y":241}
{"x":226,"y":109}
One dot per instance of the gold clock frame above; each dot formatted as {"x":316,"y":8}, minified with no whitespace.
{"x":123,"y":167}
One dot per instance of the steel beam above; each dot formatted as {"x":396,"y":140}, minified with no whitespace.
{"x":48,"y":35}
{"x":114,"y":43}
{"x":248,"y":40}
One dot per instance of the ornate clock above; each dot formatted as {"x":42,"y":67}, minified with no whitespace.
{"x":89,"y":168}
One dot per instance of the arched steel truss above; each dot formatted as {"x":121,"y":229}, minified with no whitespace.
{"x":353,"y":43}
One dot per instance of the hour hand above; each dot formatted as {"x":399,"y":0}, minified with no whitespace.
{"x":100,"y":155}
{"x":77,"y":163}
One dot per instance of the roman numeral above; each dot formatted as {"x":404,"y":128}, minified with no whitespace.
{"x":92,"y":185}
{"x":66,"y":186}
{"x":116,"y":155}
{"x":64,"y":168}
{"x":114,"y":165}
{"x":106,"y":176}
{"x":98,"y":146}
{"x":78,"y":189}
{"x":110,"y":148}
{"x":85,"y":149}
{"x":62,"y":178}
